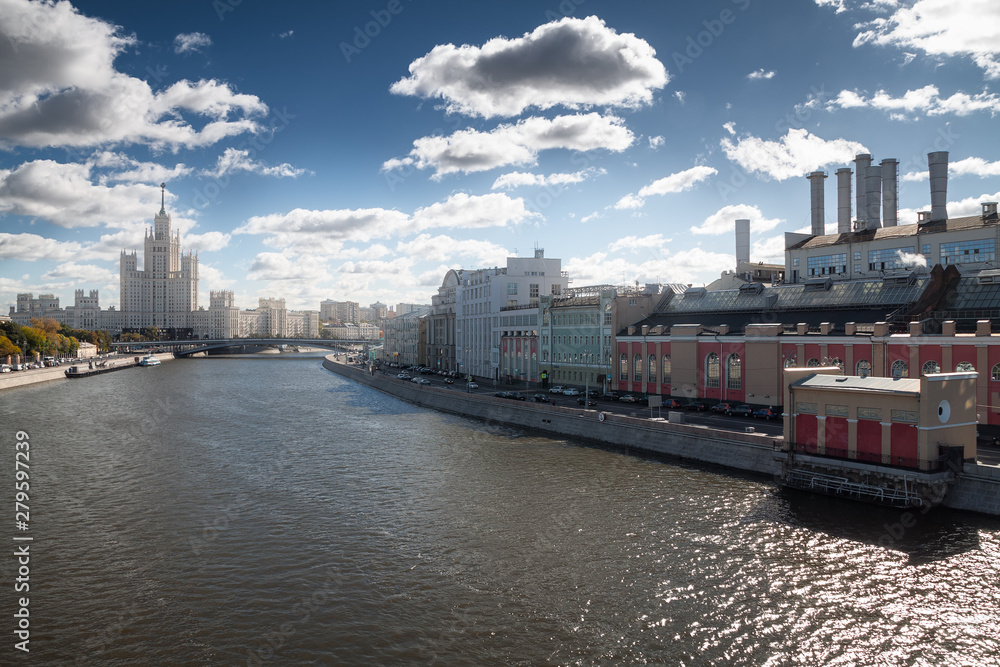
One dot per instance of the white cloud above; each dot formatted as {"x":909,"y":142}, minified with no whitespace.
{"x":443,"y":248}
{"x":516,"y":179}
{"x":722,"y":221}
{"x":760,"y":75}
{"x":926,"y":101}
{"x":970,"y":166}
{"x":65,"y":195}
{"x":730,"y":128}
{"x":470,"y":150}
{"x":688,"y":266}
{"x":189,"y":42}
{"x":942,"y":28}
{"x":629,"y":202}
{"x":281,"y":267}
{"x":462,"y":211}
{"x":796,"y":154}
{"x":572,"y":62}
{"x":770,"y":250}
{"x":207,"y":242}
{"x":634,"y":243}
{"x":838,"y":5}
{"x":656,"y":142}
{"x":56,"y":91}
{"x":234,"y":160}
{"x":130,"y":170}
{"x":81,"y":273}
{"x":678,"y":182}
{"x":286,"y":34}
{"x":680,"y":96}
{"x":32,"y":247}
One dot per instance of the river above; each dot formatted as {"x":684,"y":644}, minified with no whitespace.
{"x":265,"y":511}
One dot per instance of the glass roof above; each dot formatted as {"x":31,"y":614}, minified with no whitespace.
{"x":970,"y":295}
{"x":841,"y":295}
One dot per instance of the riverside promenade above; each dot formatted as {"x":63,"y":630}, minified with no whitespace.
{"x":976,"y":486}
{"x":52,"y":373}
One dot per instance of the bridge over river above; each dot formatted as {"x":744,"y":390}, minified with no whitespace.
{"x":183,"y":348}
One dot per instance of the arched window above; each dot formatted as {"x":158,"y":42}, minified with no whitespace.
{"x":789,"y":362}
{"x":964,"y":367}
{"x":652,"y":368}
{"x":712,"y":371}
{"x":995,"y":373}
{"x":623,"y":368}
{"x":838,"y":363}
{"x":637,"y":367}
{"x":930,"y":368}
{"x":812,"y":363}
{"x":899,"y":369}
{"x":666,"y":369}
{"x":864,"y":368}
{"x":734,"y":372}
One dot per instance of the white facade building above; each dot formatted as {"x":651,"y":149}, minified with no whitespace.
{"x":485,"y":294}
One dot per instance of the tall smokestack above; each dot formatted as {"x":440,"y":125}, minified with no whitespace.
{"x":937,"y":165}
{"x":861,"y":162}
{"x":742,"y":242}
{"x":816,"y":183}
{"x":889,"y":192}
{"x":844,"y":200}
{"x":873,"y":197}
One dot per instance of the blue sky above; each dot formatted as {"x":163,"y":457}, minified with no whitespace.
{"x":356,"y":151}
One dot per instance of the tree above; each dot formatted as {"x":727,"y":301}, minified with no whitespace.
{"x":8,"y":348}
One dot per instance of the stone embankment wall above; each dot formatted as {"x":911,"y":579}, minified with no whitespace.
{"x":742,"y":451}
{"x":36,"y":375}
{"x":976,"y":488}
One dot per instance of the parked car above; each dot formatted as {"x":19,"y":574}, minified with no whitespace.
{"x":628,"y":398}
{"x":5,"y":369}
{"x":594,"y":393}
{"x":571,"y":392}
{"x":766,"y":413}
{"x":500,"y":394}
{"x":697,"y":406}
{"x":404,"y":376}
{"x":722,"y":408}
{"x":740,"y":411}
{"x":515,"y":396}
{"x":540,"y":398}
{"x":449,"y":381}
{"x":609,"y":396}
{"x":585,"y":401}
{"x":557,"y":389}
{"x":672,"y":404}
{"x":472,"y":385}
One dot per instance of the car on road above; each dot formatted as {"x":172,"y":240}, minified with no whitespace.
{"x":628,"y":398}
{"x":5,"y":369}
{"x":515,"y":395}
{"x":697,"y":406}
{"x":571,"y":392}
{"x":673,"y":404}
{"x":404,"y":376}
{"x":557,"y":389}
{"x":740,"y":411}
{"x":449,"y":381}
{"x":766,"y":413}
{"x":540,"y":398}
{"x":423,"y":381}
{"x":500,"y":394}
{"x":722,"y":408}
{"x":594,"y":393}
{"x":610,"y":396}
{"x":472,"y":385}
{"x":583,"y":400}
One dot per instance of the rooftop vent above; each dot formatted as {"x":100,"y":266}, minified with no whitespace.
{"x":923,"y":216}
{"x":752,"y":288}
{"x":770,"y":300}
{"x":695,"y":292}
{"x":989,"y":209}
{"x":901,"y":279}
{"x":818,"y":285}
{"x":988,"y":276}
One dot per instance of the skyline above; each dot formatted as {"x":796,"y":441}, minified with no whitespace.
{"x":357,"y":151}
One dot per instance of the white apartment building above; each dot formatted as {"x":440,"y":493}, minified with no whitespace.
{"x":164,"y":293}
{"x":486,"y":295}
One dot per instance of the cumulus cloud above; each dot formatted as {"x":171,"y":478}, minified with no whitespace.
{"x":635,"y":243}
{"x":678,"y":182}
{"x":516,"y":179}
{"x":235,"y":160}
{"x":56,"y":91}
{"x":795,"y":154}
{"x":571,"y":62}
{"x":941,"y":28}
{"x":32,"y":247}
{"x":462,"y":211}
{"x":207,"y":242}
{"x":629,"y":202}
{"x":722,"y":221}
{"x":970,"y":166}
{"x":760,"y":75}
{"x":190,"y":42}
{"x":443,"y":248}
{"x":125,"y":168}
{"x":689,"y":266}
{"x":912,"y":104}
{"x":656,"y":142}
{"x":81,"y":273}
{"x":470,"y":150}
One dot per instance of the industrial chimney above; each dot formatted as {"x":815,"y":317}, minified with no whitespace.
{"x":843,"y":201}
{"x":937,"y":164}
{"x":861,"y":162}
{"x":742,"y":243}
{"x":889,"y":186}
{"x":873,"y":197}
{"x":816,"y":183}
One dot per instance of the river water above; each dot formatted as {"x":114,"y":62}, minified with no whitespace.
{"x":265,"y":511}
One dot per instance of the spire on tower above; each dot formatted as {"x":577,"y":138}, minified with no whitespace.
{"x":163,"y":190}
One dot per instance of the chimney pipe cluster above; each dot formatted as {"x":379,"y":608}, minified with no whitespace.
{"x":816,"y":184}
{"x":937,"y":168}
